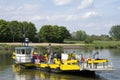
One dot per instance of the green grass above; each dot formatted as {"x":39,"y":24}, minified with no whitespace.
{"x":5,"y":48}
{"x":107,"y":44}
{"x":74,"y":42}
{"x":94,"y":45}
{"x":98,"y":44}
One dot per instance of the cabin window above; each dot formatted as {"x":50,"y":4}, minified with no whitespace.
{"x":28,"y":51}
{"x":18,"y":51}
{"x":23,"y":51}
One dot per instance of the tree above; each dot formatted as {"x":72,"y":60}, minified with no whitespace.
{"x":49,"y":33}
{"x":4,"y":31}
{"x":102,"y":37}
{"x":63,"y":33}
{"x":29,"y":30}
{"x":89,"y":39}
{"x":45,"y":33}
{"x":115,"y":32}
{"x":73,"y":36}
{"x":79,"y":35}
{"x":13,"y":31}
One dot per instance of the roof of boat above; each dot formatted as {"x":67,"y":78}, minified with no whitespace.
{"x":23,"y":48}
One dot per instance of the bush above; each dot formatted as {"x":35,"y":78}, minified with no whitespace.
{"x":88,"y":40}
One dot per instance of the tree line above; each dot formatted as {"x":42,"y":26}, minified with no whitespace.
{"x":15,"y":31}
{"x":82,"y":36}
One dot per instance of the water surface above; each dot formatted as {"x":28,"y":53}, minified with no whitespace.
{"x":9,"y":72}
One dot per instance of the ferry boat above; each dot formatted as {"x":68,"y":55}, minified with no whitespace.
{"x":67,"y":62}
{"x":26,"y":57}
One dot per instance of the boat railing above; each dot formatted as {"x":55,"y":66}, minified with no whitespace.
{"x":23,"y":59}
{"x":96,"y":66}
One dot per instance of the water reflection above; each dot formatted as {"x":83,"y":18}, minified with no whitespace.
{"x":5,"y":60}
{"x":22,"y":74}
{"x":115,"y":52}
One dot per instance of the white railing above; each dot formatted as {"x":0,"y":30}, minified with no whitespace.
{"x":96,"y":67}
{"x":23,"y":59}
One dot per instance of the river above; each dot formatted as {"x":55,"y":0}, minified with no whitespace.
{"x":9,"y":72}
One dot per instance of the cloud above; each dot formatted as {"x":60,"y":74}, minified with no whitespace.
{"x":25,"y":12}
{"x":90,"y":14}
{"x":71,"y":17}
{"x":21,"y":11}
{"x":55,"y":17}
{"x":85,"y":4}
{"x":63,"y":17}
{"x":29,"y":7}
{"x":118,"y":8}
{"x":24,"y":7}
{"x":62,"y":2}
{"x":37,"y":18}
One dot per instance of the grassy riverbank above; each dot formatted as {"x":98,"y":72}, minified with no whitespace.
{"x":98,"y":44}
{"x":107,"y":44}
{"x":95,"y":44}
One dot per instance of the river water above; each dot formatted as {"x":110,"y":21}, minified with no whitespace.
{"x":9,"y":72}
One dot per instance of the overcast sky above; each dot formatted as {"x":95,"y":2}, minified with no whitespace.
{"x":92,"y":16}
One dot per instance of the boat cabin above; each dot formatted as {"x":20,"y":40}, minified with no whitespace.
{"x":23,"y":54}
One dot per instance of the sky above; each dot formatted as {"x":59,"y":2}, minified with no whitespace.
{"x":92,"y":16}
